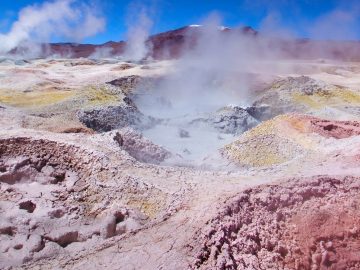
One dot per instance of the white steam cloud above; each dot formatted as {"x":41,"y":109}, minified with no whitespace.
{"x":213,"y":74}
{"x":138,"y":32}
{"x":210,"y":75}
{"x":60,"y":18}
{"x":102,"y":52}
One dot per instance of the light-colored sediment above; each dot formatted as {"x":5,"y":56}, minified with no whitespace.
{"x":282,"y":195}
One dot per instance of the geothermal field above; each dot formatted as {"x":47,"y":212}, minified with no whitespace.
{"x":209,"y":148}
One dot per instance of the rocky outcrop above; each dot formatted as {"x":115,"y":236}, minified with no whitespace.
{"x":127,"y":83}
{"x":139,"y":147}
{"x":113,"y":117}
{"x":123,"y":113}
{"x":230,"y":120}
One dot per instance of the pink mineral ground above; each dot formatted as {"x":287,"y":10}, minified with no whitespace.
{"x":311,"y":224}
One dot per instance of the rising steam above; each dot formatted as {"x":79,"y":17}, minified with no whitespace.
{"x":208,"y":76}
{"x":138,"y":32}
{"x":39,"y":23}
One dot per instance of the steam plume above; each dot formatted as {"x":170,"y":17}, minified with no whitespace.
{"x":208,"y":76}
{"x":60,"y":18}
{"x":138,"y":32}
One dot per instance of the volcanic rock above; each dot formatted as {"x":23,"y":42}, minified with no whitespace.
{"x":127,"y":83}
{"x":139,"y":147}
{"x":114,"y":117}
{"x":234,"y":120}
{"x":230,"y":119}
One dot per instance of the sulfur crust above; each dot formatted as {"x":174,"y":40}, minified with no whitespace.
{"x":33,"y":99}
{"x":272,"y":142}
{"x":322,"y":99}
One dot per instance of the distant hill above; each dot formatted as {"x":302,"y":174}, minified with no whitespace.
{"x":171,"y":44}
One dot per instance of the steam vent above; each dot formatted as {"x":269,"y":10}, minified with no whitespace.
{"x":199,"y":147}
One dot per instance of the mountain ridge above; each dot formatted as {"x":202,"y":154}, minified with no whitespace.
{"x":170,"y":44}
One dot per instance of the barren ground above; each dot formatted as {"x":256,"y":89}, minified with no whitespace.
{"x":91,"y":180}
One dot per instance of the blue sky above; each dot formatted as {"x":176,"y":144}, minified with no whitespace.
{"x":323,"y":19}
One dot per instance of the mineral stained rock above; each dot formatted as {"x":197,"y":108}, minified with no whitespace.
{"x":287,"y":138}
{"x":139,"y":147}
{"x":307,"y":95}
{"x":229,"y":119}
{"x":113,"y":117}
{"x":307,"y":224}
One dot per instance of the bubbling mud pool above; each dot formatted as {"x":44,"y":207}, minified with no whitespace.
{"x":192,"y":133}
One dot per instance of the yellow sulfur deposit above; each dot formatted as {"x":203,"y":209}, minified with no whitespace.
{"x":322,"y":99}
{"x":33,"y":99}
{"x":273,"y":142}
{"x":100,"y":96}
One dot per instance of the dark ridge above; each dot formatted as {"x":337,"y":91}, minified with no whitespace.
{"x":171,"y":44}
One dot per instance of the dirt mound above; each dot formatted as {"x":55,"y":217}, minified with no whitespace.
{"x":270,"y":143}
{"x":285,"y":138}
{"x":298,"y":224}
{"x":306,"y":95}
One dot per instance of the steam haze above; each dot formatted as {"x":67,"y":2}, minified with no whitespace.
{"x":138,"y":31}
{"x":60,"y":18}
{"x":211,"y":74}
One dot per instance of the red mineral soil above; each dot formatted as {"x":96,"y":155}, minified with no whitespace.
{"x":296,"y":224}
{"x":335,"y":129}
{"x":326,"y":128}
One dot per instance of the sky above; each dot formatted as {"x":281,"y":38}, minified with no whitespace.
{"x":319,"y":19}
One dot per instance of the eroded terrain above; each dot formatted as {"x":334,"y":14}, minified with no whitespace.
{"x":100,"y":169}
